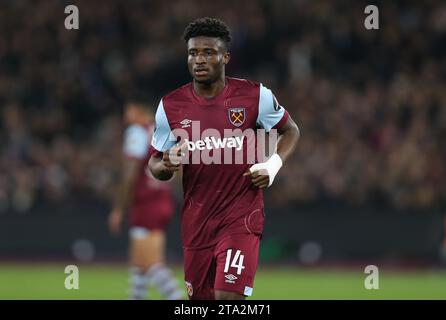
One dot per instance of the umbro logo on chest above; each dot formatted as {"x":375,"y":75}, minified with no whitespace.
{"x":185,"y":123}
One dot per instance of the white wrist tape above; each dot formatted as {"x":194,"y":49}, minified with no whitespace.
{"x":270,"y":167}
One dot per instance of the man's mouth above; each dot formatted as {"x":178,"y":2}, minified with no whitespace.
{"x":201,"y":72}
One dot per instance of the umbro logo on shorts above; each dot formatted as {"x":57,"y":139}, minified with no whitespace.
{"x":230,"y":278}
{"x":189,"y":288}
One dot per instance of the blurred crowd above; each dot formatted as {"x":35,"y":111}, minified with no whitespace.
{"x":370,"y":104}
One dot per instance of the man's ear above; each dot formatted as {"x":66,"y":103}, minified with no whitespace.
{"x":226,"y":57}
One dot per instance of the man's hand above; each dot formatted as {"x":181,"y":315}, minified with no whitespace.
{"x":171,"y":162}
{"x":115,"y":220}
{"x":259,"y":178}
{"x":172,"y":158}
{"x":262,"y":174}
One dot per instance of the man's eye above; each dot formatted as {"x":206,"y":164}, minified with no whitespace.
{"x":193,"y":54}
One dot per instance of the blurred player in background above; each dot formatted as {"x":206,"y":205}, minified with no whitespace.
{"x":222,"y":218}
{"x":151,"y":207}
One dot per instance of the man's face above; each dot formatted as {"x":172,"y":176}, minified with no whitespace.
{"x":137,"y":114}
{"x":207,"y":57}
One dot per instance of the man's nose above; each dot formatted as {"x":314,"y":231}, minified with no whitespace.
{"x":200,"y":59}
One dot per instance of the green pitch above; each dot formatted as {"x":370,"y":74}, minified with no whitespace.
{"x":46,"y":281}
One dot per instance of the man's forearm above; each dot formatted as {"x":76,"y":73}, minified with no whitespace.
{"x":263,"y":174}
{"x":289,"y":136}
{"x":123,"y":196}
{"x":128,"y":180}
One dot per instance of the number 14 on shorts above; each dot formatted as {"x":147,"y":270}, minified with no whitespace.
{"x":237,"y":261}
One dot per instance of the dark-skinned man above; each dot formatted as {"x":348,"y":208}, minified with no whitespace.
{"x":205,"y":127}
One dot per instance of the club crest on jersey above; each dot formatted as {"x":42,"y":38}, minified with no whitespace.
{"x":189,"y":288}
{"x":237,"y":116}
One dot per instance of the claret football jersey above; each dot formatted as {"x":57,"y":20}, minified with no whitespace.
{"x":221,"y":136}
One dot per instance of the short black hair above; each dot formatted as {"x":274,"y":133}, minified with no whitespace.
{"x":208,"y":27}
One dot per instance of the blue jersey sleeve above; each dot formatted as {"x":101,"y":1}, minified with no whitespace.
{"x":163,"y":138}
{"x":136,"y":142}
{"x":270,"y":111}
